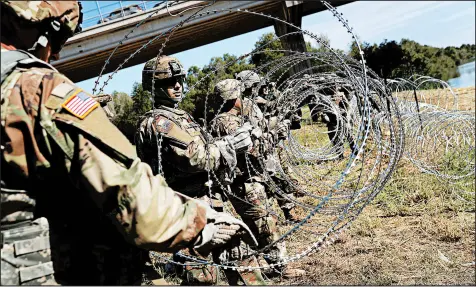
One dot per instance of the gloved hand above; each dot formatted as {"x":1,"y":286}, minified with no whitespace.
{"x":257,"y":132}
{"x":241,"y":139}
{"x":234,"y":253}
{"x":282,"y":129}
{"x":232,"y":144}
{"x":222,"y":229}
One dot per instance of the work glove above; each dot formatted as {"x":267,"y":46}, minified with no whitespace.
{"x":282,"y":129}
{"x":230,"y":145}
{"x":222,"y":229}
{"x":256,"y":132}
{"x":240,"y":140}
{"x":236,"y":253}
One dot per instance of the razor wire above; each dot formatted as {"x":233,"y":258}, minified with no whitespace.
{"x":354,"y":130}
{"x":440,"y":137}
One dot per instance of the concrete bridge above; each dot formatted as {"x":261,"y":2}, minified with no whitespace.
{"x":85,"y":53}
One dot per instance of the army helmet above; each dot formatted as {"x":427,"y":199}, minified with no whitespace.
{"x":248,"y":78}
{"x":58,"y":19}
{"x":160,"y":72}
{"x":229,"y":89}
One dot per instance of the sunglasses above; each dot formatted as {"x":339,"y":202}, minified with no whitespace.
{"x":170,"y":81}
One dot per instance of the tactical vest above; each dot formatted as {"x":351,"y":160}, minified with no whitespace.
{"x":25,"y":243}
{"x":191,"y":184}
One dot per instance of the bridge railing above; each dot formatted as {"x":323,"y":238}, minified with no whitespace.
{"x":98,"y":12}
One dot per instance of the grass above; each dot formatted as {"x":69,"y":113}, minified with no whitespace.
{"x":443,"y":98}
{"x":415,"y":232}
{"x":418,"y":231}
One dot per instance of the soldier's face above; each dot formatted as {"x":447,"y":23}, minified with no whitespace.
{"x":174,"y":88}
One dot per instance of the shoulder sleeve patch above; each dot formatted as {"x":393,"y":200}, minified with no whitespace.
{"x":62,"y":90}
{"x":80,"y":104}
{"x":163,"y":125}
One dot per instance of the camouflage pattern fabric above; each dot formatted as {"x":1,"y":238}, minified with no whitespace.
{"x":163,"y":68}
{"x":183,"y":154}
{"x":248,"y":78}
{"x":26,"y":255}
{"x":252,"y":188}
{"x":67,"y":12}
{"x":252,"y":112}
{"x":185,"y":162}
{"x":85,"y":176}
{"x":229,"y":89}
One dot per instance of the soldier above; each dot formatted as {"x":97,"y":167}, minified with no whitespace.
{"x":170,"y":135}
{"x":77,"y":206}
{"x":103,"y":101}
{"x":330,"y":89}
{"x":248,"y":184}
{"x":252,"y":83}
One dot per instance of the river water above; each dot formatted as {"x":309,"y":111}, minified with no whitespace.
{"x":466,"y":78}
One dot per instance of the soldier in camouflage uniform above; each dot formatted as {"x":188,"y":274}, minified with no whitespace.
{"x":276,"y":131}
{"x":170,"y":135}
{"x":103,"y":101}
{"x":248,"y":184}
{"x":77,"y":206}
{"x":339,"y":94}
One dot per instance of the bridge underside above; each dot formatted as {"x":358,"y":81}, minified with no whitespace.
{"x":84,"y":55}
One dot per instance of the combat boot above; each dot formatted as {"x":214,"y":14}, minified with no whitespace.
{"x":289,"y":216}
{"x":289,"y":273}
{"x":285,"y":273}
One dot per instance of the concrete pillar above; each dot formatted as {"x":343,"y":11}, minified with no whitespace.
{"x":291,"y":12}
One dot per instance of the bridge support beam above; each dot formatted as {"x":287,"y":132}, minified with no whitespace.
{"x":292,"y":12}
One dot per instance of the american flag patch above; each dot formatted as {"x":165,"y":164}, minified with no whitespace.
{"x":80,"y":104}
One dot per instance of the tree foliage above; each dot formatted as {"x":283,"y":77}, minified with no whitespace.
{"x":128,"y":109}
{"x":389,"y":59}
{"x":271,"y":49}
{"x":392,"y":59}
{"x":201,"y":82}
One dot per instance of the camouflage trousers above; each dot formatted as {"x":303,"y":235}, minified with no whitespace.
{"x":26,"y":255}
{"x":196,"y":274}
{"x":256,"y":212}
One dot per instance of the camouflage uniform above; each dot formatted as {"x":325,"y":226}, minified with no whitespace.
{"x":340,"y":96}
{"x":269,"y":124}
{"x":183,"y":152}
{"x":75,"y":200}
{"x":248,"y":184}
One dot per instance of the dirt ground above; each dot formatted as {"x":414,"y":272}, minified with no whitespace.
{"x":423,"y":249}
{"x":417,"y":231}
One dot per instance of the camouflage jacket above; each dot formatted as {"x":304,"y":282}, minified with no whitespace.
{"x":226,"y":124}
{"x":183,"y":153}
{"x":70,"y":165}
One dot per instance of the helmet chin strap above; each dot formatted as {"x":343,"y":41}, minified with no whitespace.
{"x":163,"y":98}
{"x":43,"y":39}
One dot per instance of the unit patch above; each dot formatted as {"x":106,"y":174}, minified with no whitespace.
{"x":80,"y":104}
{"x":163,"y":125}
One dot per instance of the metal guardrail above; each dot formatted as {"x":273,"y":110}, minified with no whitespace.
{"x":104,"y":9}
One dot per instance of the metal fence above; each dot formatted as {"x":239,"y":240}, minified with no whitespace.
{"x":99,"y":12}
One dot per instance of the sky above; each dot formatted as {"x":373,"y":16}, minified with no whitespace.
{"x":434,"y":23}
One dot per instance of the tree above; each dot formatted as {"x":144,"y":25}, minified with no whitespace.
{"x":129,"y":109}
{"x":201,"y":82}
{"x":392,"y":59}
{"x":269,"y":49}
